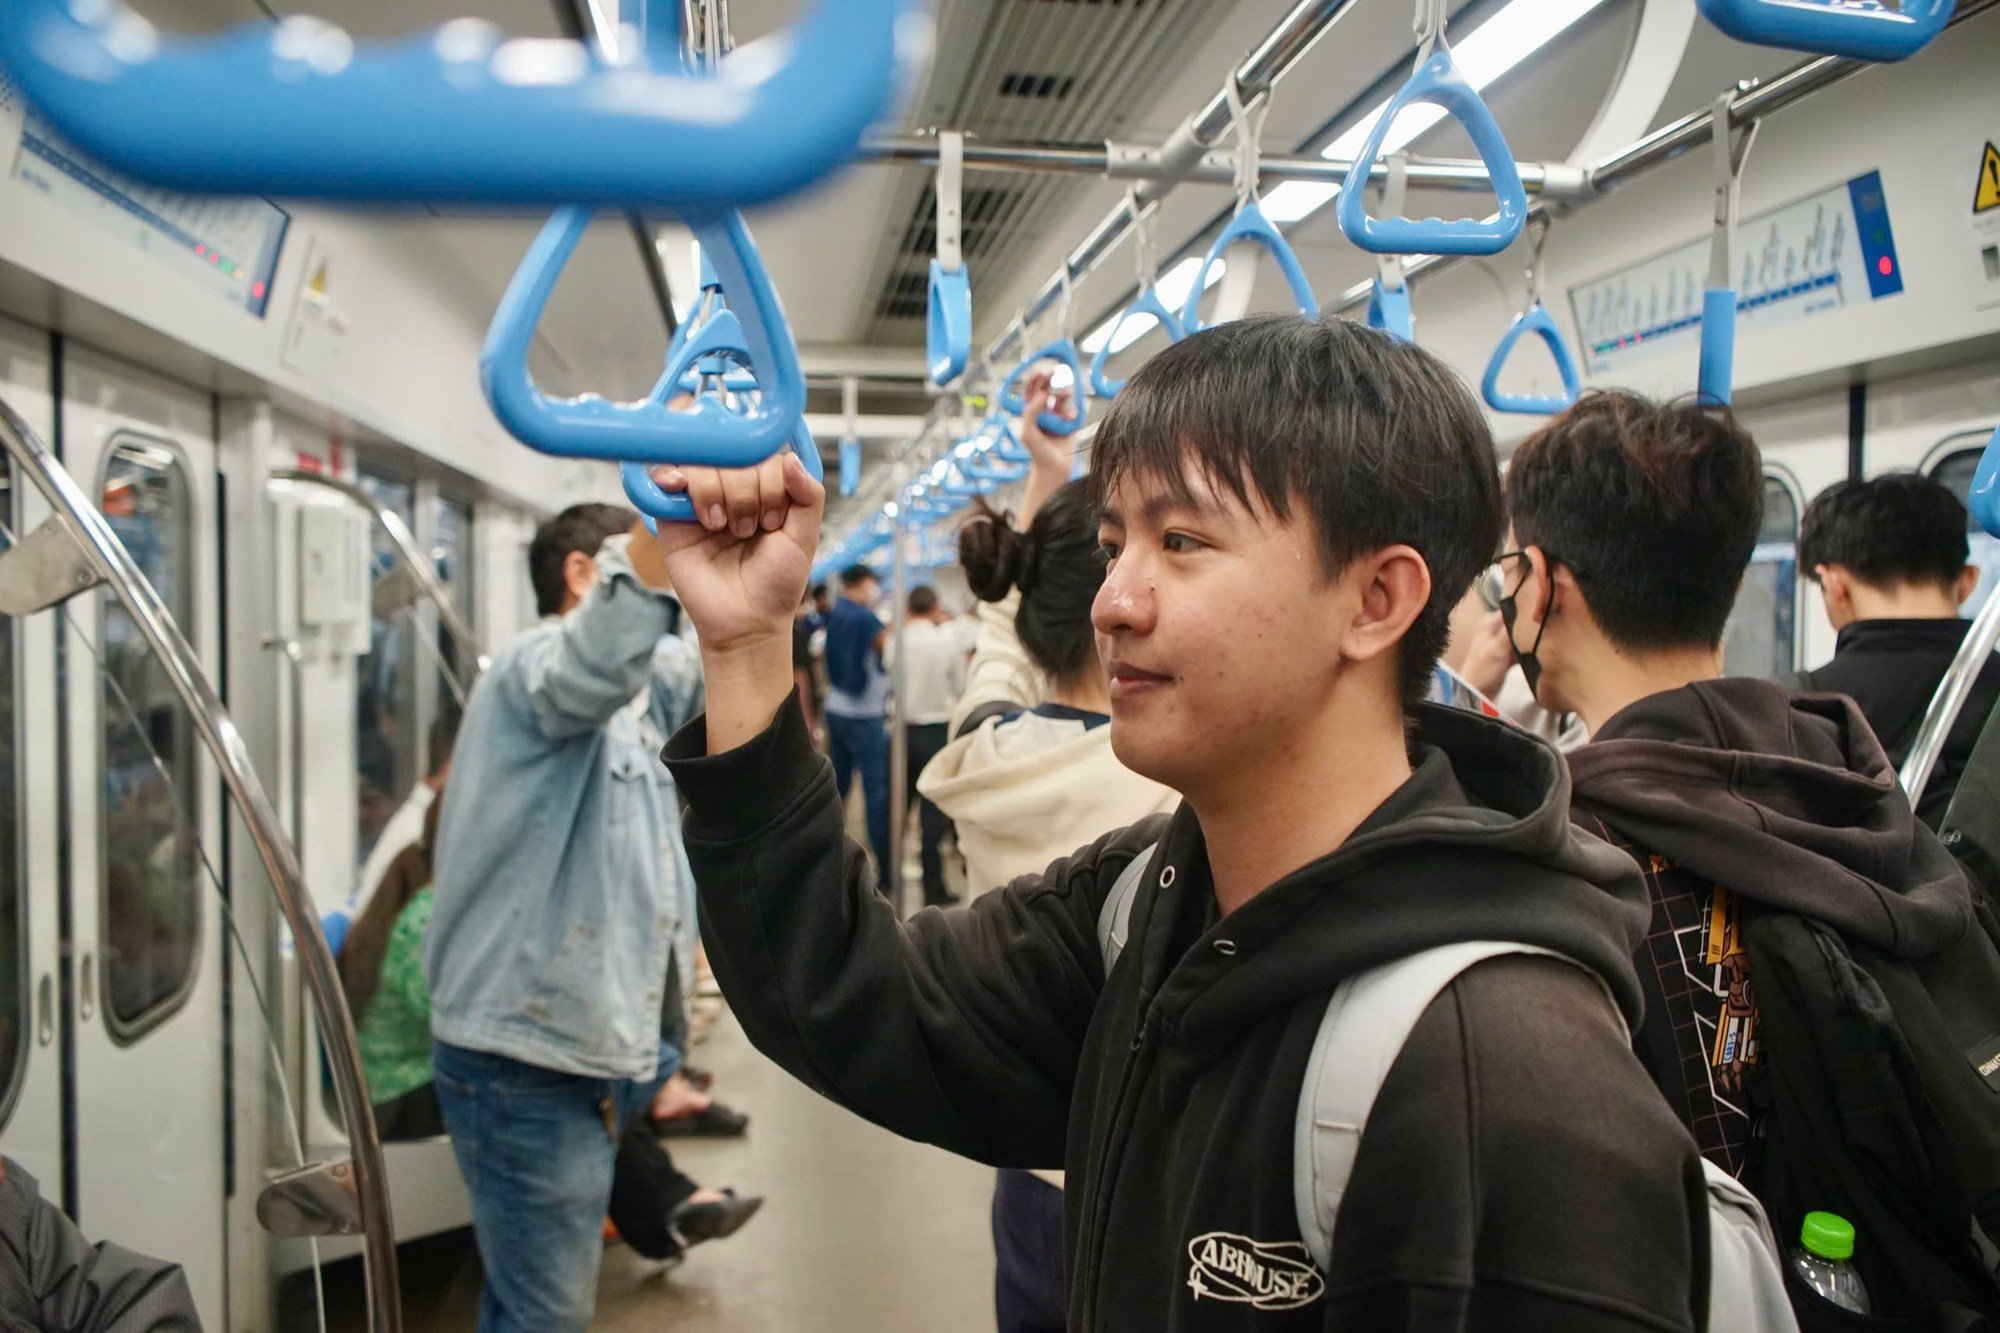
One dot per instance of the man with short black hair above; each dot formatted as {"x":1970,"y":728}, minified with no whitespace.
{"x":857,"y":702}
{"x":1757,"y":818}
{"x":555,"y":914}
{"x":1889,"y":555}
{"x":1290,"y":509}
{"x":932,"y":676}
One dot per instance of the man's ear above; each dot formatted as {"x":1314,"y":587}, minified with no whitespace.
{"x":1968,"y":579}
{"x":1534,"y":603}
{"x":1833,"y":587}
{"x":1395,"y":587}
{"x":579,"y":572}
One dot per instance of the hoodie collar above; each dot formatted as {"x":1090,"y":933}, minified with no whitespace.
{"x":1477,"y":844}
{"x":1789,"y":801}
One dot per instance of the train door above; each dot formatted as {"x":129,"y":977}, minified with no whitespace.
{"x":30,"y":942}
{"x":1953,"y":463}
{"x":145,"y":903}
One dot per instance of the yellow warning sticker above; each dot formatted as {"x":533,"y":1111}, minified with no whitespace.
{"x":1987,"y":194}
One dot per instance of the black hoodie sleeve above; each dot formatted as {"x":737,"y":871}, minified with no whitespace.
{"x":52,"y":1278}
{"x":960,"y":1028}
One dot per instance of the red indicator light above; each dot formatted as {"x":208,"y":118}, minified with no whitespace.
{"x":257,"y":290}
{"x":1885,"y":266}
{"x":201,"y":249}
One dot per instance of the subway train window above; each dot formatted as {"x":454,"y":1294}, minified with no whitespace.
{"x":151,"y":859}
{"x":451,"y":551}
{"x":13,"y":904}
{"x":385,"y":684}
{"x":1762,"y":636}
{"x":1955,"y":470}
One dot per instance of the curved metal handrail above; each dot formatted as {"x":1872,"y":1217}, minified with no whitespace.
{"x":405,"y":542}
{"x":101,"y":547}
{"x":1949,"y":701}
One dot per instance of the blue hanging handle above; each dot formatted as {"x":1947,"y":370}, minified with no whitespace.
{"x":850,"y":467}
{"x":1012,"y":400}
{"x":1438,"y":82}
{"x":1537,"y":320}
{"x":662,"y":506}
{"x":949,"y":333}
{"x":1717,"y":375}
{"x":1984,"y":501}
{"x":646,"y":434}
{"x":1147,"y":302}
{"x":298,"y":109}
{"x":1863,"y":30}
{"x":1389,"y":310}
{"x":1251,"y":225}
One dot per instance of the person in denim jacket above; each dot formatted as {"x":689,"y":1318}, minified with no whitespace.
{"x":556,"y":912}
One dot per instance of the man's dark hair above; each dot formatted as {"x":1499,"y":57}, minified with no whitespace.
{"x":577,"y":529}
{"x":1374,"y":438}
{"x":1654,"y":507}
{"x":923,"y":601}
{"x":1895,"y":529}
{"x":856,"y":575}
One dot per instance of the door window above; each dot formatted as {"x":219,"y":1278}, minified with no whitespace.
{"x":1761,"y":638}
{"x":1955,"y":471}
{"x":385,"y":704}
{"x":150,"y":861}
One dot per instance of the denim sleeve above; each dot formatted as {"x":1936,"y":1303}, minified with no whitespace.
{"x":577,"y":680}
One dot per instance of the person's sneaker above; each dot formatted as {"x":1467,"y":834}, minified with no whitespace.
{"x":717,"y":1122}
{"x":693,"y":1223}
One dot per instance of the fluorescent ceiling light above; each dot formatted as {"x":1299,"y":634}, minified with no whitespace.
{"x":1496,"y":47}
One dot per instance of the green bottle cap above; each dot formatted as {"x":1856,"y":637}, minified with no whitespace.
{"x":1828,"y":1235}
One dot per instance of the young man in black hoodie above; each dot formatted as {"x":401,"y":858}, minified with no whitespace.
{"x":1889,"y":555}
{"x":1291,"y":509}
{"x":1633,"y":523}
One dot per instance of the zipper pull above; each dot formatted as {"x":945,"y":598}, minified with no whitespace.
{"x":1145,"y":1031}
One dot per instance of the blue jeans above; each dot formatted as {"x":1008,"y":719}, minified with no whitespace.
{"x":862,"y":744}
{"x":536,"y":1152}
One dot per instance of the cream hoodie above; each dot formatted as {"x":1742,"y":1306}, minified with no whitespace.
{"x":1025,"y":792}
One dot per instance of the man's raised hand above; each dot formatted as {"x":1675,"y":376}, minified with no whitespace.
{"x":741,"y":569}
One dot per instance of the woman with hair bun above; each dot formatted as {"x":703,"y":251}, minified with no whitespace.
{"x":1030,"y":776}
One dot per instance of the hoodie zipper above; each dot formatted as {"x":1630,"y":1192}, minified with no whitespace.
{"x":1108,"y":1155}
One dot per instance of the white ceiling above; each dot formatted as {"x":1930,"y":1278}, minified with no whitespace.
{"x":831,"y":250}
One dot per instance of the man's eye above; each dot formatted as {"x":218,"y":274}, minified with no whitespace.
{"x":1180,"y":543}
{"x":1106,"y":553}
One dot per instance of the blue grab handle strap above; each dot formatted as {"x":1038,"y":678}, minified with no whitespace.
{"x":948,"y":335}
{"x":1537,"y":320}
{"x":1147,"y":302}
{"x":1011,"y":399}
{"x":1874,"y":33}
{"x":1438,"y":82}
{"x":300,"y":110}
{"x":1984,"y":501}
{"x":1250,"y":224}
{"x":850,"y":467}
{"x":662,"y":506}
{"x":1716,"y":378}
{"x":649,"y":433}
{"x":1389,"y":310}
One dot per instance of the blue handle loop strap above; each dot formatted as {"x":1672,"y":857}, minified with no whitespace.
{"x":1012,"y":399}
{"x":1716,"y":376}
{"x":1437,"y":81}
{"x":1867,"y":30}
{"x":1984,"y":501}
{"x":1147,"y":302}
{"x":298,"y":109}
{"x":949,"y":331}
{"x":709,"y":432}
{"x":1251,"y":225}
{"x":850,"y":467}
{"x":1537,"y":320}
{"x":1389,"y":309}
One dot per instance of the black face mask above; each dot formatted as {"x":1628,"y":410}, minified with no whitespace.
{"x":1529,"y":657}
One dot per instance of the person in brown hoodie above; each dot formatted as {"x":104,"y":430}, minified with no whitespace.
{"x":1633,"y":523}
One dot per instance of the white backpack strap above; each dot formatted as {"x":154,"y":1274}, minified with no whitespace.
{"x":1746,"y":1280}
{"x":1367,"y":1021}
{"x":1114,"y":919}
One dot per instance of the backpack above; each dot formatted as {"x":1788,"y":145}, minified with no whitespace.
{"x":1367,"y":1020}
{"x":1878,"y":1098}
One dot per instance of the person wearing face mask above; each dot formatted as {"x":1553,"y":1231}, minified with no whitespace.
{"x":1802,"y":917}
{"x":1288,"y":509}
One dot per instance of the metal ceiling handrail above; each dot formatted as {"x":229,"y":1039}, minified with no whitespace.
{"x":412,"y":559}
{"x":107,"y":555}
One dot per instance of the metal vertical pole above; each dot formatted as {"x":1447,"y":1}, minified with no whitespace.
{"x":899,"y":759}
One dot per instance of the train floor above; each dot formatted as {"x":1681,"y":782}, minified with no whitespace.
{"x":861,"y":1232}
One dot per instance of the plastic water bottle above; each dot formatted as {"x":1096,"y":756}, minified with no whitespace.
{"x":1826,"y":1243}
